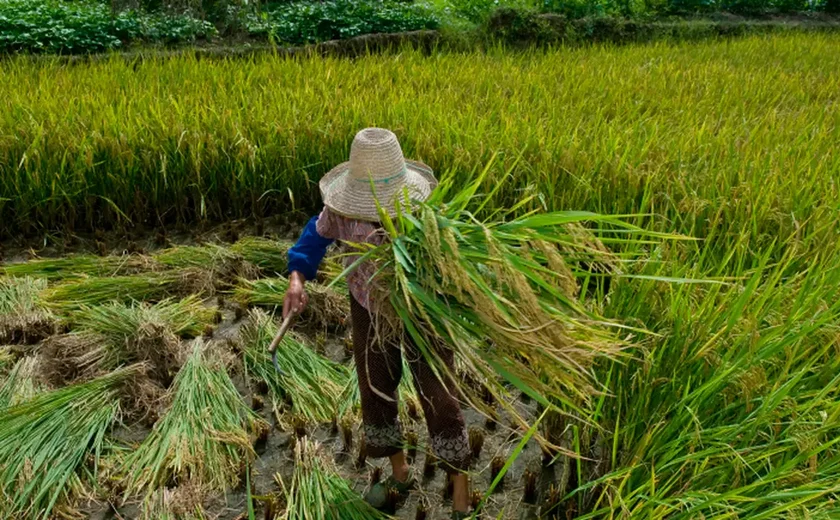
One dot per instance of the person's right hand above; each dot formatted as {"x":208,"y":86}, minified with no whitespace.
{"x":296,"y":298}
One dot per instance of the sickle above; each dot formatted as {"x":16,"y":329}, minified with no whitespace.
{"x":287,"y":323}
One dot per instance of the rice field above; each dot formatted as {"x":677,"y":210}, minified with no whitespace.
{"x":725,"y":402}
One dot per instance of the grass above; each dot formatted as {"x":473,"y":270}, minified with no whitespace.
{"x":317,"y":491}
{"x":204,"y":436}
{"x":20,"y":383}
{"x":75,"y":266}
{"x":47,"y":440}
{"x":312,"y":383}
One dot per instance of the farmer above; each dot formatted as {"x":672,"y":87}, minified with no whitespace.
{"x":350,"y":215}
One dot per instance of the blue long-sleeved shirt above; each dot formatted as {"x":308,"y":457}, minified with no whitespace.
{"x":309,"y":250}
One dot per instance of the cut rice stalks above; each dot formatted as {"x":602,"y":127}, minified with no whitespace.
{"x":45,"y":440}
{"x":202,"y":438}
{"x":317,"y":491}
{"x":269,"y":255}
{"x":225,"y":264}
{"x":312,"y":383}
{"x":107,"y":336}
{"x":72,"y":295}
{"x":501,"y":294}
{"x":78,"y":266}
{"x":22,"y":383}
{"x":23,"y":315}
{"x":327,"y":308}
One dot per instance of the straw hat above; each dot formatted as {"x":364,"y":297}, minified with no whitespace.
{"x":374,"y":156}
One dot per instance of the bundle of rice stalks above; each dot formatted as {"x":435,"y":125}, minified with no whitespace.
{"x":312,"y":383}
{"x":501,"y":294}
{"x":203,"y":437}
{"x":327,"y":308}
{"x":21,"y":383}
{"x":186,"y":318}
{"x":224,"y":263}
{"x":269,"y":255}
{"x":72,"y":295}
{"x":23,"y":316}
{"x":317,"y":491}
{"x":47,"y":439}
{"x":79,"y":265}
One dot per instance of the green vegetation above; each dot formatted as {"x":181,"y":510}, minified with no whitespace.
{"x":327,"y":307}
{"x":49,"y":442}
{"x":312,"y":383}
{"x":317,"y":491}
{"x":87,"y":26}
{"x":729,"y":404}
{"x":204,"y":436}
{"x":24,"y":317}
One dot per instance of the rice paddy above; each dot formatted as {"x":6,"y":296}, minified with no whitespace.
{"x":138,"y":381}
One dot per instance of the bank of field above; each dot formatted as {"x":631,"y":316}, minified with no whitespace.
{"x":728,"y":408}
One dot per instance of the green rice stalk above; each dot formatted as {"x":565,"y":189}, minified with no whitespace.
{"x":23,"y":315}
{"x":269,"y":255}
{"x":77,"y":266}
{"x":313,"y":383}
{"x":203,"y":437}
{"x":500,"y":293}
{"x":107,"y":336}
{"x":327,"y":308}
{"x":72,"y":295}
{"x":317,"y":491}
{"x":21,"y":383}
{"x":46,"y":440}
{"x":187,"y":317}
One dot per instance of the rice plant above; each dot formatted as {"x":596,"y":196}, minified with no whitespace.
{"x":21,"y":383}
{"x":46,"y":440}
{"x":202,"y":438}
{"x":187,"y":317}
{"x":113,"y":334}
{"x":77,"y":266}
{"x":327,"y":307}
{"x":317,"y":491}
{"x":312,"y":383}
{"x":24,"y":317}
{"x":72,"y":295}
{"x":269,"y":255}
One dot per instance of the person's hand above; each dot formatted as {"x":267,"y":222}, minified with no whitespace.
{"x":296,"y":298}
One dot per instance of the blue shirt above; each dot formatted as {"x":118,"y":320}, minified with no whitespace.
{"x":308,"y":252}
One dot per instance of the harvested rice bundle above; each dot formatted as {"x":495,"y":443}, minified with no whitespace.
{"x":72,"y":295}
{"x":110,"y":335}
{"x":202,"y":438}
{"x":327,"y":308}
{"x":22,"y":383}
{"x":23,"y":315}
{"x":269,"y":255}
{"x":224,"y":263}
{"x":187,"y":317}
{"x":313,"y":383}
{"x":317,"y":491}
{"x":79,"y":265}
{"x":500,"y":293}
{"x":45,"y":440}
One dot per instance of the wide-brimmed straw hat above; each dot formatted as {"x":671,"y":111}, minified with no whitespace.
{"x":376,"y":171}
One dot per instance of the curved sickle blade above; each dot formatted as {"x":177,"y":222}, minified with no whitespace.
{"x":287,"y":323}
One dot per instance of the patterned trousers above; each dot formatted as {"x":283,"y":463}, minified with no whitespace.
{"x":379,"y":366}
